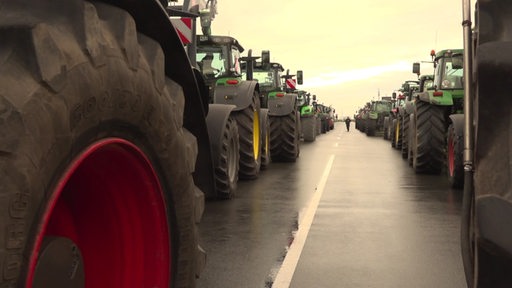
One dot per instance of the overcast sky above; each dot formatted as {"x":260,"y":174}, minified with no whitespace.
{"x":348,"y":50}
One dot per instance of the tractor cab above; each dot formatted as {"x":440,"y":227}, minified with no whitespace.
{"x":218,"y":57}
{"x":449,"y":70}
{"x":269,"y":76}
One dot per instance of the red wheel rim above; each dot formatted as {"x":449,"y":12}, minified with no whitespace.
{"x":109,"y":202}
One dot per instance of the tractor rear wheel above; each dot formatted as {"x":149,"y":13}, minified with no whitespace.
{"x":284,"y":140}
{"x":96,"y":166}
{"x":385,"y":135}
{"x":405,"y":136}
{"x":226,"y":170}
{"x":265,"y":141}
{"x":392,"y":132}
{"x":398,"y":134}
{"x":454,"y":149}
{"x":309,"y":128}
{"x":430,"y":138}
{"x":412,"y":139}
{"x":371,"y":126}
{"x":249,"y":133}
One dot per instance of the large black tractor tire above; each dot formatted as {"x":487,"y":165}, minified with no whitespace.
{"x":405,"y":136}
{"x":390,"y":130}
{"x":455,"y":162}
{"x":411,"y":140}
{"x":249,"y":133}
{"x":392,"y":133}
{"x":284,"y":140}
{"x":309,"y":129}
{"x":398,"y":134}
{"x":298,"y":127}
{"x":323,"y":126}
{"x":226,"y":170}
{"x":385,"y":135}
{"x":95,"y":165}
{"x":371,"y":127}
{"x":430,"y":135}
{"x":265,"y":140}
{"x":318,"y":126}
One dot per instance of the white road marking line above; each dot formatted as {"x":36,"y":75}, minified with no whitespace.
{"x":285,"y":274}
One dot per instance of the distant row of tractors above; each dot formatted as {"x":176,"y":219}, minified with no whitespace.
{"x":425,"y":119}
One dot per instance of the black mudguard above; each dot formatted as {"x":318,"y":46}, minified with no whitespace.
{"x":409,"y":107}
{"x":241,"y":95}
{"x":424,"y":96}
{"x":493,"y":147}
{"x":458,"y":123}
{"x":216,"y":121}
{"x":281,"y":106}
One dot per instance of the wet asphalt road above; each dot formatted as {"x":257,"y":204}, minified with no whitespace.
{"x":377,"y":223}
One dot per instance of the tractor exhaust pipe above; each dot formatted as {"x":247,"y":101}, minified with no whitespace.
{"x":468,"y":202}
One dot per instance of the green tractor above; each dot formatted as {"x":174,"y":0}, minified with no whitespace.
{"x":374,"y":118}
{"x":284,"y":120}
{"x":400,"y":125}
{"x":360,"y":116}
{"x":438,"y":118}
{"x":308,"y":116}
{"x":325,"y":113}
{"x":218,"y":59}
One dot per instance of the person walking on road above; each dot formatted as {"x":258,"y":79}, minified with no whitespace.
{"x":347,"y":122}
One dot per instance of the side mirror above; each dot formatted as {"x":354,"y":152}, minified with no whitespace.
{"x":416,"y":68}
{"x":394,"y":95}
{"x":314,"y":97}
{"x":299,"y":77}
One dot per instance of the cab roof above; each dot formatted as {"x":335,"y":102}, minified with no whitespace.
{"x":219,"y":40}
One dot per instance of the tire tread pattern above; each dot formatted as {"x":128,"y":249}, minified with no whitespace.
{"x":430,"y":133}
{"x":283,"y":138}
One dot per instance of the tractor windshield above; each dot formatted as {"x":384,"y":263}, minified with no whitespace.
{"x":383,"y":107}
{"x":264,"y":78}
{"x":212,"y":61}
{"x":451,"y":73}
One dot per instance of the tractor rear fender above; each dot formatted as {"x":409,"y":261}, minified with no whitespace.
{"x":216,"y":121}
{"x":424,"y":96}
{"x":240,"y":95}
{"x":458,"y":123}
{"x":409,"y":107}
{"x":281,"y":106}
